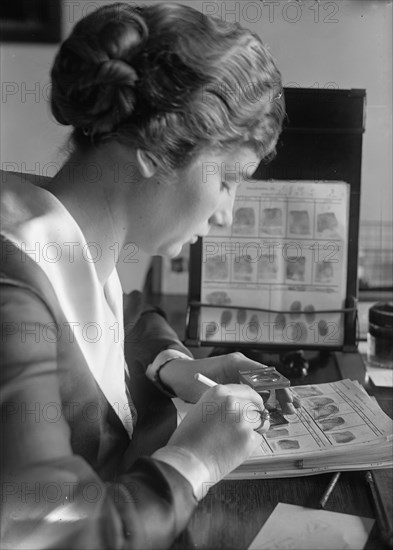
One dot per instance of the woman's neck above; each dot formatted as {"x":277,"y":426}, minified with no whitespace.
{"x":84,"y":185}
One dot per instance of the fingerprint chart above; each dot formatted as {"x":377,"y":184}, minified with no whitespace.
{"x":286,"y":252}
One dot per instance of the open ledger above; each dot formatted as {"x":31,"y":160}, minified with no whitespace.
{"x":338,"y":427}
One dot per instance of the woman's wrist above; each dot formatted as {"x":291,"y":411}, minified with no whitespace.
{"x":169,"y":374}
{"x":159,"y":373}
{"x":179,"y":375}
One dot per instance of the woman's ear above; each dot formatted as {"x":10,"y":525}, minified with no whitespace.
{"x":147,"y":164}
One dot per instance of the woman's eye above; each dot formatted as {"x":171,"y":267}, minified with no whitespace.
{"x":225,"y":187}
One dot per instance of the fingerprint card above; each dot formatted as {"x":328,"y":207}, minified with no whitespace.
{"x":283,"y":263}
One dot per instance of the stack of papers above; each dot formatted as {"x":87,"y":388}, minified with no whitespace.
{"x":338,"y":427}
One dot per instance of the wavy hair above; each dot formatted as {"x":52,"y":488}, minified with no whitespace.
{"x":168,"y":79}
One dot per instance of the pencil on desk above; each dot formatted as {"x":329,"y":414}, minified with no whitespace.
{"x":379,"y":508}
{"x":329,"y":490}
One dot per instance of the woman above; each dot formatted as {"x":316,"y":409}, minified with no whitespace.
{"x":154,"y":95}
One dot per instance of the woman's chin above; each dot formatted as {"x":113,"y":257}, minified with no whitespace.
{"x":172,"y":250}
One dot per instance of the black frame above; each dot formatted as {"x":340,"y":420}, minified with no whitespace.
{"x":322,"y":140}
{"x":37,"y":21}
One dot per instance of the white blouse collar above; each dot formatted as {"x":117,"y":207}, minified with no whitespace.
{"x":38,"y":223}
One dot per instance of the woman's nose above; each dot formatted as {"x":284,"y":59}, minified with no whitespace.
{"x":223,"y":217}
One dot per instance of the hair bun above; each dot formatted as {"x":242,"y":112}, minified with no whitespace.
{"x":112,"y":95}
{"x":116,"y":72}
{"x":93,"y":81}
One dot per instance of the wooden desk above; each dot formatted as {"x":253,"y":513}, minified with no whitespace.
{"x":233,"y":512}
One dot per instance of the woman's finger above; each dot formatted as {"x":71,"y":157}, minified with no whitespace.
{"x":285,"y":398}
{"x":264,"y":422}
{"x":246,"y":392}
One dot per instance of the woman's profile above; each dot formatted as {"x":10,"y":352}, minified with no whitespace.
{"x":153,"y":95}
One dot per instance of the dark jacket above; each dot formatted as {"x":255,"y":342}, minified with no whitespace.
{"x":71,"y":478}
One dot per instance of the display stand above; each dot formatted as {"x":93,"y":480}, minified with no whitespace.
{"x":321,"y":141}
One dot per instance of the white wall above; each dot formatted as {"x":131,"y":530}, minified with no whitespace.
{"x":341,"y":43}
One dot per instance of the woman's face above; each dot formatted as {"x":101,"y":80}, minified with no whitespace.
{"x":200,"y":196}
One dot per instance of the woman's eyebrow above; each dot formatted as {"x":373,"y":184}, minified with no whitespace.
{"x":238,"y":171}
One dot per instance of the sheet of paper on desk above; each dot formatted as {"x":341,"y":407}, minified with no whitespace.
{"x":380,"y":376}
{"x":290,"y":527}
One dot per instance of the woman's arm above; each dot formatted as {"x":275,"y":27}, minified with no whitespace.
{"x":51,"y":497}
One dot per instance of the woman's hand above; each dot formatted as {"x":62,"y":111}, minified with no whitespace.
{"x":220,"y":430}
{"x":178,"y":374}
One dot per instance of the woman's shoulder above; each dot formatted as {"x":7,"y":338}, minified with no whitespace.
{"x":7,"y":177}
